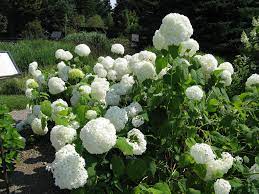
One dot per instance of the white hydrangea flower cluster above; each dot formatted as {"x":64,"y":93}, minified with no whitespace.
{"x":61,"y":135}
{"x":99,"y":88}
{"x":222,"y":186}
{"x":133,"y":109}
{"x":91,"y":114}
{"x":137,"y":121}
{"x":98,"y":136}
{"x":208,"y":63}
{"x":56,"y":85}
{"x":175,"y":28}
{"x":31,"y":83}
{"x":117,"y":116}
{"x":136,"y":139}
{"x":63,"y":55}
{"x":59,"y":107}
{"x":68,"y":168}
{"x":82,"y":50}
{"x":118,"y":49}
{"x":79,"y":91}
{"x":194,"y":93}
{"x":63,"y":70}
{"x":228,"y":71}
{"x":203,"y":154}
{"x":253,"y":80}
{"x":188,"y":48}
{"x":37,"y":127}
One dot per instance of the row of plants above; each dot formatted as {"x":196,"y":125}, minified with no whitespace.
{"x":147,"y":123}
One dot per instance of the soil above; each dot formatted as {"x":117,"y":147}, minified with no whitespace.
{"x":30,"y":175}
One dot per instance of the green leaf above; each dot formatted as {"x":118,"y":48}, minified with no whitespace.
{"x":190,"y":142}
{"x":235,"y":183}
{"x":213,"y":105}
{"x":45,"y":108}
{"x":136,"y":169}
{"x":161,"y":63}
{"x":123,"y":145}
{"x":193,"y":191}
{"x":118,"y":166}
{"x":162,"y":187}
{"x":173,"y":50}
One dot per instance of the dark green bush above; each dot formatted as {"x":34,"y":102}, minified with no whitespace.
{"x":98,"y":42}
{"x":95,"y":21}
{"x":33,"y":30}
{"x":12,"y":86}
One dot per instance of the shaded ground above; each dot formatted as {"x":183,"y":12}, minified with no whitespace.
{"x":30,"y":175}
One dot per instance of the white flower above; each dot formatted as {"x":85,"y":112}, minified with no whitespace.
{"x":226,"y":66}
{"x":107,"y":62}
{"x":118,"y":49}
{"x":194,"y":93}
{"x":100,"y":59}
{"x":147,"y":56}
{"x":99,"y":70}
{"x":112,"y":75}
{"x":222,"y":186}
{"x":159,"y":41}
{"x":176,"y":28}
{"x":145,"y":70}
{"x":75,"y":97}
{"x":238,"y":159}
{"x":112,"y":98}
{"x":84,"y":89}
{"x":63,"y":71}
{"x":254,"y":170}
{"x":226,"y":77}
{"x":98,"y":136}
{"x":133,"y":109}
{"x":136,"y":139}
{"x":208,"y":63}
{"x":127,"y":83}
{"x":137,"y":121}
{"x":63,"y":55}
{"x":38,"y":76}
{"x":82,"y":50}
{"x":91,"y":114}
{"x":188,"y":48}
{"x":99,"y":88}
{"x":36,"y":127}
{"x":28,"y":93}
{"x":127,"y":57}
{"x":134,"y":61}
{"x":33,"y":67}
{"x":221,"y":166}
{"x":56,"y":85}
{"x":59,"y":107}
{"x":202,"y":153}
{"x":252,"y":80}
{"x":61,"y":135}
{"x":121,"y":67}
{"x":68,"y":168}
{"x":117,"y":116}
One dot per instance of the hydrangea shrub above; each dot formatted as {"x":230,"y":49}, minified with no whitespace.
{"x":148,"y":123}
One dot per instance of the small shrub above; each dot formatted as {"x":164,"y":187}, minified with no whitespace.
{"x":12,"y":86}
{"x":33,"y":30}
{"x":95,"y":22}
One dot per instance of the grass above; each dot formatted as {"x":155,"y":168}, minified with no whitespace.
{"x":14,"y":102}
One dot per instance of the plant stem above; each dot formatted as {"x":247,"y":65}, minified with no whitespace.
{"x":4,"y":166}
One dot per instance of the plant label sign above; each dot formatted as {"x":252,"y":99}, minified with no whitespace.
{"x":8,"y":67}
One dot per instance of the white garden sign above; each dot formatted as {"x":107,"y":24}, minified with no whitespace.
{"x":8,"y":67}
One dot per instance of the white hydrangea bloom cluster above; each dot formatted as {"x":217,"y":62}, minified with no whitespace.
{"x":133,"y":109}
{"x":254,"y":171}
{"x":137,"y":121}
{"x":194,"y":93}
{"x":82,"y":50}
{"x":63,"y":55}
{"x":253,"y":80}
{"x":31,"y":83}
{"x":136,"y":139}
{"x":175,"y":28}
{"x":221,"y":166}
{"x":61,"y":135}
{"x":59,"y":106}
{"x":37,"y":128}
{"x":79,"y":91}
{"x":28,"y":93}
{"x":188,"y":48}
{"x":99,"y":88}
{"x":118,"y":49}
{"x":68,"y":168}
{"x":228,"y":71}
{"x":91,"y":114}
{"x":76,"y":74}
{"x":117,"y":116}
{"x":208,"y":63}
{"x":222,"y":186}
{"x":63,"y":70}
{"x":56,"y":85}
{"x":202,"y":153}
{"x":37,"y":74}
{"x":98,"y":136}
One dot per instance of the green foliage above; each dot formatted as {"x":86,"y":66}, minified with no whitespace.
{"x":95,"y":22}
{"x":3,"y":23}
{"x":12,"y":86}
{"x":33,"y":30}
{"x":98,"y":42}
{"x":14,"y":102}
{"x":10,"y":140}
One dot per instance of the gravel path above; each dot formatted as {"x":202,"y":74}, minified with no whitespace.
{"x":30,"y":175}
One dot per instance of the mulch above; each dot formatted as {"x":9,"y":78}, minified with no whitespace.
{"x":30,"y":175}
